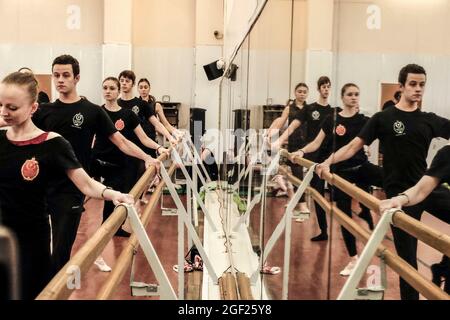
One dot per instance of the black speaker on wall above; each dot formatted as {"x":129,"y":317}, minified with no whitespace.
{"x":212,"y":72}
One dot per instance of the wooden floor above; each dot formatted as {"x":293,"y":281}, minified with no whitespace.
{"x":314,"y":269}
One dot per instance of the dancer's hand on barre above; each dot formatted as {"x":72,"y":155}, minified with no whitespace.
{"x":297,"y":154}
{"x":151,"y":161}
{"x":173,"y":141}
{"x":118,"y":197}
{"x":162,"y":150}
{"x":322,"y":168}
{"x":395,"y":202}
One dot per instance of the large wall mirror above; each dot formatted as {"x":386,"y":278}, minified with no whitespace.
{"x":298,"y":41}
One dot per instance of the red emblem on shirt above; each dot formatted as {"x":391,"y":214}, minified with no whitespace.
{"x":120,"y":124}
{"x":30,"y":169}
{"x":340,"y":130}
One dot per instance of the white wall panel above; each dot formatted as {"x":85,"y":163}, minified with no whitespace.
{"x":40,"y":57}
{"x":171,"y":72}
{"x":369,"y":70}
{"x":116,"y":58}
{"x":239,"y":15}
{"x":268,"y":77}
{"x":206,"y":94}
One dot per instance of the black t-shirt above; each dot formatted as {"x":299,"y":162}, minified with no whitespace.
{"x":26,"y":173}
{"x":315,"y":115}
{"x":312,"y":117}
{"x":440,"y":166}
{"x":125,"y":122}
{"x":144,"y":111}
{"x":297,"y":138}
{"x":78,"y":123}
{"x":405,"y":138}
{"x":344,"y":131}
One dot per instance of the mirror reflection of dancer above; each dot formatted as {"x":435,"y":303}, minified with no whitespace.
{"x":405,"y":132}
{"x":393,"y":102}
{"x":357,"y":169}
{"x":296,"y":140}
{"x":438,"y":173}
{"x":30,"y":160}
{"x":313,"y":116}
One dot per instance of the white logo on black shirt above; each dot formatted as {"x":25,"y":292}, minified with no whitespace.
{"x":315,"y":115}
{"x":78,"y":120}
{"x":135,"y":109}
{"x":399,"y":127}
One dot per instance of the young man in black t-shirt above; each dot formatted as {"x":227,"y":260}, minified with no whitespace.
{"x":405,"y":132}
{"x":147,"y":117}
{"x":144,"y":110}
{"x":77,"y":120}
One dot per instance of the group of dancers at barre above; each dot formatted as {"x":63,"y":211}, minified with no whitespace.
{"x":48,"y":156}
{"x":335,"y":138}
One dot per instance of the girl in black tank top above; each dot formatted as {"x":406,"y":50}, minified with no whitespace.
{"x":296,"y":139}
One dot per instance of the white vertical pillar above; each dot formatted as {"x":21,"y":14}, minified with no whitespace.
{"x":117,"y":35}
{"x":319,"y":55}
{"x":209,"y":18}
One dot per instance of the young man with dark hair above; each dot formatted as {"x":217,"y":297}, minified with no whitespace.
{"x":144,"y":110}
{"x":147,"y":116}
{"x":405,"y":132}
{"x":77,"y":120}
{"x":312,"y":117}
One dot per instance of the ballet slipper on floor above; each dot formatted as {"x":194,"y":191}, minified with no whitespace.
{"x":187,"y":267}
{"x":270,"y":270}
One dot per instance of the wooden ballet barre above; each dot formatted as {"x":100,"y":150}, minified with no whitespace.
{"x":244,"y":287}
{"x":124,"y":260}
{"x":58,"y":288}
{"x":400,"y":266}
{"x":227,"y":285}
{"x":422,"y":232}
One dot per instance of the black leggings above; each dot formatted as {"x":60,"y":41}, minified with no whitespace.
{"x":319,"y":185}
{"x":65,"y":209}
{"x":34,"y":258}
{"x":297,"y":171}
{"x":363,"y":176}
{"x":437,"y":204}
